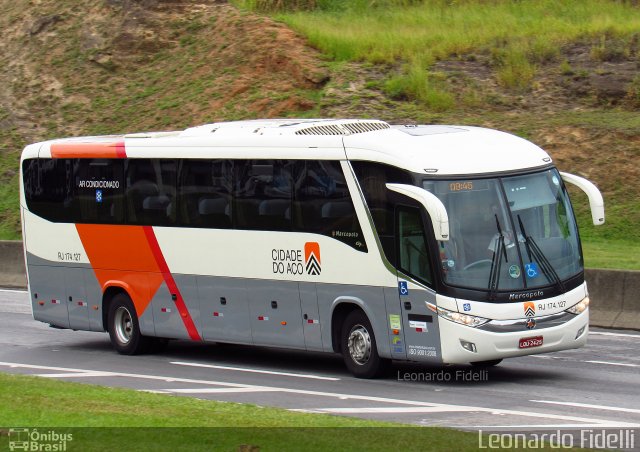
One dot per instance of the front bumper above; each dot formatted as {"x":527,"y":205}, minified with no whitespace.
{"x":497,"y":345}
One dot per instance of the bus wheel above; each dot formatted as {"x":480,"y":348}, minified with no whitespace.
{"x":124,"y":329}
{"x":489,"y":363}
{"x":358,"y":346}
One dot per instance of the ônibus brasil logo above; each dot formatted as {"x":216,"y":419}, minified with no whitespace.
{"x":289,"y":261}
{"x":312,"y":258}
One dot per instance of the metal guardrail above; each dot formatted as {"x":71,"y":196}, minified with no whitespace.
{"x":615,"y":294}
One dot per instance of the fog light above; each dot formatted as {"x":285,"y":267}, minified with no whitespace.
{"x":468,"y":345}
{"x":580,"y":331}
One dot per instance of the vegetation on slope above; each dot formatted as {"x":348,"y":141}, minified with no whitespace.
{"x":563,"y":74}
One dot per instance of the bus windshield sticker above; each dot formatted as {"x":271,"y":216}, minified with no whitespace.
{"x":532,"y":270}
{"x":514,"y":271}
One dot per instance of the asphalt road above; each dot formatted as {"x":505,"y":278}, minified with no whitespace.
{"x":596,"y":387}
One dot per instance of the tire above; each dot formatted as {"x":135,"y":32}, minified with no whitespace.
{"x":358,"y":347}
{"x":124,"y":329}
{"x":489,"y":363}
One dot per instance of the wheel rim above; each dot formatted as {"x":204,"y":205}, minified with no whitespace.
{"x":359,"y":344}
{"x":123,"y":325}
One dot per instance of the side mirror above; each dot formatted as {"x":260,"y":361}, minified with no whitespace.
{"x":435,"y":208}
{"x":596,"y":203}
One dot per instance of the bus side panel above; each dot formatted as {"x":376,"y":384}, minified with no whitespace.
{"x":421,"y":329}
{"x":310,"y":316}
{"x":76,"y":298}
{"x":167,"y":318}
{"x":370,"y":299}
{"x":47,"y":284}
{"x":396,"y":341}
{"x":276,"y":318}
{"x":94,"y":300}
{"x":224,"y":309}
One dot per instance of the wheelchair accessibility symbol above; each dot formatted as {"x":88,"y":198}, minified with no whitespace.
{"x":403,"y":288}
{"x":531,"y":270}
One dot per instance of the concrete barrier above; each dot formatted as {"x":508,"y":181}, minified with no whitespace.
{"x":12,"y":271}
{"x":615,"y":294}
{"x":615,"y":298}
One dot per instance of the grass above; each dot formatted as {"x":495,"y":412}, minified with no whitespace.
{"x":126,"y":416}
{"x":517,"y":34}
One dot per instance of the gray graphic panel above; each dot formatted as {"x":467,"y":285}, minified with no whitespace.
{"x":310,"y":316}
{"x":421,"y":332}
{"x":167,"y":319}
{"x":94,"y":300}
{"x":276,"y":318}
{"x":76,"y":298}
{"x":224,"y":309}
{"x":48,"y":295}
{"x":394,"y":323}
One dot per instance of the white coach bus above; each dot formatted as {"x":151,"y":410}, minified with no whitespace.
{"x":434,"y":244}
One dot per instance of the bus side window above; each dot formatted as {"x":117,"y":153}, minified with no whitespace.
{"x":262,"y":196}
{"x":151,"y":191}
{"x":205,"y":193}
{"x":322,"y":203}
{"x":372,"y":178}
{"x":48,"y":185}
{"x":412,"y":245}
{"x":99,"y":191}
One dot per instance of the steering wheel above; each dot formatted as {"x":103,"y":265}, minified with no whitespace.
{"x":477,"y":264}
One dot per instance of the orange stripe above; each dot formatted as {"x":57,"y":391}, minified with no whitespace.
{"x":111,"y":249}
{"x":108,"y":150}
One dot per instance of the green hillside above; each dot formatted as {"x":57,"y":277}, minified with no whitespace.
{"x":564,"y":74}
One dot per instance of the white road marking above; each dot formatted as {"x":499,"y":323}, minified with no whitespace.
{"x":220,"y":390}
{"x":586,"y":361}
{"x":587,"y":405}
{"x":542,"y":426}
{"x":257,"y":371}
{"x":602,"y":333}
{"x":599,"y":422}
{"x":399,"y":409}
{"x":612,"y":364}
{"x":76,"y":374}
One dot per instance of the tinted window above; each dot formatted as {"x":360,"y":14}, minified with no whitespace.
{"x":413,"y":257}
{"x":322,"y":203}
{"x":262,"y":198}
{"x":99,"y":191}
{"x":372,"y":178}
{"x":151,"y":191}
{"x":48,"y":188}
{"x":205,"y":193}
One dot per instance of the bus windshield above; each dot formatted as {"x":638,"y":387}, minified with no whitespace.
{"x":508,"y":233}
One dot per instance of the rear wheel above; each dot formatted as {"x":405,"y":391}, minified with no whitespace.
{"x":358,"y":347}
{"x":124,"y":329}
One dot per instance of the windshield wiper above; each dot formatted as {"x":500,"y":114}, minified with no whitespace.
{"x":535,"y":253}
{"x":494,"y":273}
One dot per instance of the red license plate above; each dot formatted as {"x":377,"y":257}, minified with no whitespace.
{"x":528,"y":342}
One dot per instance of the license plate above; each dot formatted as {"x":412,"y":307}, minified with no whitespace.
{"x":528,"y":342}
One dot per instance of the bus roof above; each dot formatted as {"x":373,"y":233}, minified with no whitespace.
{"x":430,"y":149}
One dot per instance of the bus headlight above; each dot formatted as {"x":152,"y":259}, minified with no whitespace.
{"x":579,"y":307}
{"x":463,"y":319}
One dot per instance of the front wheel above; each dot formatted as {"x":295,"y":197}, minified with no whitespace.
{"x":124,"y":329}
{"x":358,"y":347}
